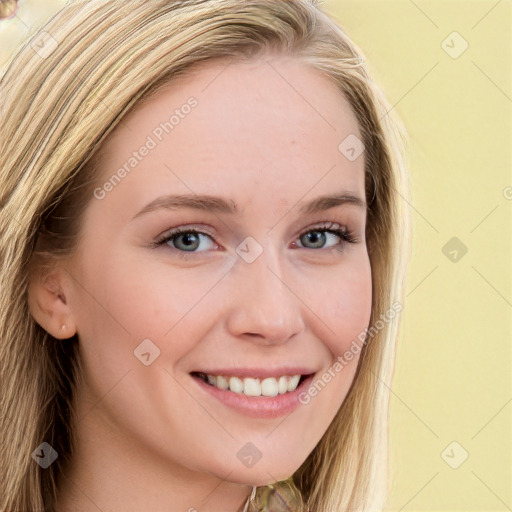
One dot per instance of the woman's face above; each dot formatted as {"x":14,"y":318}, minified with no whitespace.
{"x":262,"y":290}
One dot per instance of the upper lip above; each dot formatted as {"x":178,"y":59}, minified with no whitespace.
{"x":258,"y":373}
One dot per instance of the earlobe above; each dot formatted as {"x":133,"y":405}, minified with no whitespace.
{"x":49,"y":305}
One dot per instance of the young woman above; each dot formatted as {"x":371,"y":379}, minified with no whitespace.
{"x":203,"y":243}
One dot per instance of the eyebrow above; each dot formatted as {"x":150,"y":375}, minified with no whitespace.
{"x":221,"y":205}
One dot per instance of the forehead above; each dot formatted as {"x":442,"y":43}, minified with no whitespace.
{"x":271,"y":122}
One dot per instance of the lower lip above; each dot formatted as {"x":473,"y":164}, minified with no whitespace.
{"x":257,"y":406}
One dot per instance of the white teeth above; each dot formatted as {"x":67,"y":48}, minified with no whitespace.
{"x":282,"y":385}
{"x":269,"y":387}
{"x":222,"y":382}
{"x":249,"y":386}
{"x":252,"y":387}
{"x":236,"y":385}
{"x":293,"y":383}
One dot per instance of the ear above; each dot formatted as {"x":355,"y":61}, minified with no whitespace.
{"x":48,"y":302}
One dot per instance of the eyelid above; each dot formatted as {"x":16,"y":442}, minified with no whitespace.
{"x":186,"y":228}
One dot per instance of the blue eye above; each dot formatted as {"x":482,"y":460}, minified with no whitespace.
{"x":187,"y":241}
{"x":318,"y":238}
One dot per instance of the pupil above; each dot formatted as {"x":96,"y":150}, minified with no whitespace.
{"x":189,"y":239}
{"x":316,"y":238}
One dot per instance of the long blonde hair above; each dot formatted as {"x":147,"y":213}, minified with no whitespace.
{"x":59,"y":101}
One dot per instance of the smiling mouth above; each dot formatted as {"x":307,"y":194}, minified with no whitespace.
{"x":248,"y":386}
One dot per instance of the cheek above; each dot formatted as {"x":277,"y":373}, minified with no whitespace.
{"x":130,"y":300}
{"x":343,"y":305}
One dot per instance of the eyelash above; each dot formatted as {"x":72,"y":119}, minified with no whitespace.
{"x":343,"y":232}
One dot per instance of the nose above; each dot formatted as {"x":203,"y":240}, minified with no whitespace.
{"x":265,"y":308}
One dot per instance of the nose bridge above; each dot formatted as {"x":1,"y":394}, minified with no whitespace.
{"x":264,"y":305}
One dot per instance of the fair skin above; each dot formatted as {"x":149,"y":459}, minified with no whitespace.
{"x":150,"y":437}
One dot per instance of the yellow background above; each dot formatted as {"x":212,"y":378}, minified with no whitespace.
{"x":453,"y":373}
